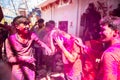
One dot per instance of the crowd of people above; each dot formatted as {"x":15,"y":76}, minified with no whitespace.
{"x":45,"y":49}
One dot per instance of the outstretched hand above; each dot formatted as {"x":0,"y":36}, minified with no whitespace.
{"x":48,"y":51}
{"x":12,"y":60}
{"x":28,"y":59}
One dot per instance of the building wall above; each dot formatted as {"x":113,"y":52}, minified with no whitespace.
{"x":72,"y":13}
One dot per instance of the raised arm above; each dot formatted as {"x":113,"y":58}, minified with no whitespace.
{"x":40,"y":43}
{"x":51,"y":40}
{"x":70,"y":56}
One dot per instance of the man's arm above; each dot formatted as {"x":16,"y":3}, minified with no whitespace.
{"x":9,"y":52}
{"x":43,"y":45}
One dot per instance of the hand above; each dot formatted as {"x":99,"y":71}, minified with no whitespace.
{"x":48,"y":51}
{"x":79,"y":42}
{"x":12,"y":60}
{"x":52,"y":32}
{"x":28,"y":59}
{"x":59,"y":41}
{"x":97,"y":60}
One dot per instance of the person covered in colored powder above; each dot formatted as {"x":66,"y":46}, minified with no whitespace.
{"x":20,"y":49}
{"x":71,"y":56}
{"x":110,"y":60}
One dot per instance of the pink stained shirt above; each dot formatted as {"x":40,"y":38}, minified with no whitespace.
{"x":110,"y":63}
{"x":23,"y":49}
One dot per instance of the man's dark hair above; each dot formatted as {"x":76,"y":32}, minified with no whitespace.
{"x":112,"y":22}
{"x":20,"y":19}
{"x":41,"y":20}
{"x":50,"y":24}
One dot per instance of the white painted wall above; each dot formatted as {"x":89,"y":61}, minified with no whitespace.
{"x":66,"y":13}
{"x":72,"y":13}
